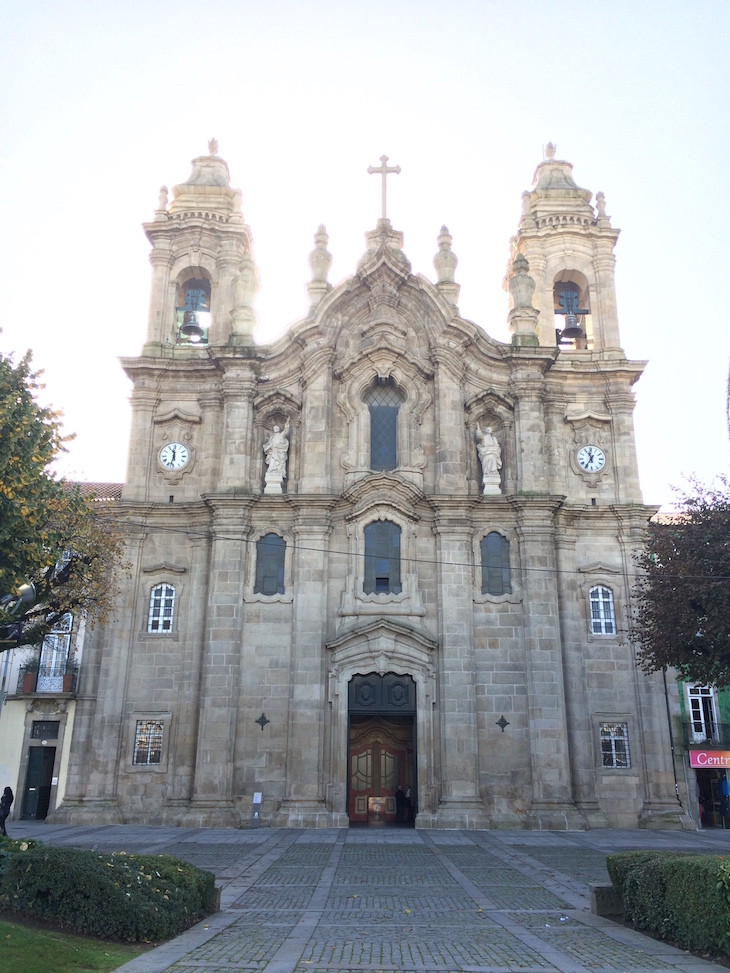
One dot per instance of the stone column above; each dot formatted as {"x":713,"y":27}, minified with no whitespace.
{"x":451,"y":459}
{"x":607,"y":316}
{"x":552,"y":796}
{"x":578,"y":716}
{"x":528,"y":388}
{"x":181,"y":769}
{"x":160,"y":323}
{"x":239,"y":388}
{"x":145,"y":397}
{"x":314,"y":450}
{"x":662,"y":808}
{"x":620,"y":401}
{"x":304,"y":804}
{"x":213,"y":803}
{"x":557,"y":464}
{"x":99,"y":723}
{"x":460,"y":805}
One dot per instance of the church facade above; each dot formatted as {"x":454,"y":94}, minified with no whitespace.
{"x":382,"y":552}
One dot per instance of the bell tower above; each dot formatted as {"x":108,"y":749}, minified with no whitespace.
{"x":204,"y":277}
{"x":569,"y":248}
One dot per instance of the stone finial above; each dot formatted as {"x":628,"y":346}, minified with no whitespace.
{"x":445,"y":262}
{"x":550,"y":150}
{"x":521,"y":285}
{"x":213,"y":147}
{"x":320,"y":260}
{"x":523,"y":316}
{"x":161,"y":209}
{"x":603,"y":218}
{"x":526,"y":207}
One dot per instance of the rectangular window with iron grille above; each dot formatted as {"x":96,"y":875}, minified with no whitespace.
{"x":148,"y":742}
{"x":615,"y":745}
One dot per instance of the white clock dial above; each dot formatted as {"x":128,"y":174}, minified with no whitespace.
{"x":173,"y":456}
{"x":591,"y":459}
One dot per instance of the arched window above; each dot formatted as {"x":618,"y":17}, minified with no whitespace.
{"x":602,"y":617}
{"x":569,"y":315}
{"x":495,"y":565}
{"x":270,"y":555}
{"x":382,"y":558}
{"x":162,"y":604}
{"x":384,"y":400}
{"x":193,"y":311}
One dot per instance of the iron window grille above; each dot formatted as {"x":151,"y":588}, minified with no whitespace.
{"x":615,"y":745}
{"x":148,"y":742}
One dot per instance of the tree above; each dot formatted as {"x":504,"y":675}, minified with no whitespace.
{"x":50,"y":533}
{"x":682,"y":614}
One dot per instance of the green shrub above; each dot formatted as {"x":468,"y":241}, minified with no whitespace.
{"x":129,"y":897}
{"x":676,"y":896}
{"x":624,"y":862}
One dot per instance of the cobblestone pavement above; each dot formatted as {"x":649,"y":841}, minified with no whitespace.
{"x":398,"y":900}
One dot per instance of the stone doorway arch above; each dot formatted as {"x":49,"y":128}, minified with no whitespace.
{"x":383,"y":646}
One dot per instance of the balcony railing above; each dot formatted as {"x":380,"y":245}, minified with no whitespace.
{"x":712,"y":735}
{"x":46,"y":679}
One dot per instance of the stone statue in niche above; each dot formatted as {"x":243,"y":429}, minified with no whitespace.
{"x":490,"y":456}
{"x":276,"y":448}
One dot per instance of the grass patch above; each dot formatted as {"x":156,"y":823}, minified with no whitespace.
{"x":29,"y":948}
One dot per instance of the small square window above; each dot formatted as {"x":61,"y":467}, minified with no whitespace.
{"x":148,"y":742}
{"x":615,"y":745}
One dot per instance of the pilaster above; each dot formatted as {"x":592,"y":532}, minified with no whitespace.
{"x":238,"y":388}
{"x":213,"y":802}
{"x":304,"y":803}
{"x":460,"y":805}
{"x":552,"y":806}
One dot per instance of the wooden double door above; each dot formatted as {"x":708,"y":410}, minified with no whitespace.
{"x":381,"y":758}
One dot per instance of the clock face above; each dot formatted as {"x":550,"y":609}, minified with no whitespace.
{"x":173,"y":456}
{"x":591,"y":459}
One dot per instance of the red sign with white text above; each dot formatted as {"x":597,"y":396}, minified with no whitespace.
{"x":709,"y":759}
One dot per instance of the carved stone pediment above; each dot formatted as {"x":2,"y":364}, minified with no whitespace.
{"x":384,"y":491}
{"x":175,"y":412}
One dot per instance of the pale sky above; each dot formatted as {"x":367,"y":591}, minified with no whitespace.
{"x":103,"y":103}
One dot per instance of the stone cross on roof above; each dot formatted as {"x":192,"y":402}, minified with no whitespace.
{"x":384,"y":170}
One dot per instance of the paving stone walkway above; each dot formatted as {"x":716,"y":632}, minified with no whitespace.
{"x":398,"y":900}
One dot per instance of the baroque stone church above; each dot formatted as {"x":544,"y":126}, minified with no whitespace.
{"x":384,"y":552}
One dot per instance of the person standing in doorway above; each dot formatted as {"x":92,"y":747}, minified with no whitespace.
{"x":400,"y":803}
{"x":409,"y":805}
{"x":725,"y":799}
{"x":5,"y":803}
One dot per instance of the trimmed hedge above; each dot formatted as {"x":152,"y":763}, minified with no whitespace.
{"x":128,"y":897}
{"x":676,"y":896}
